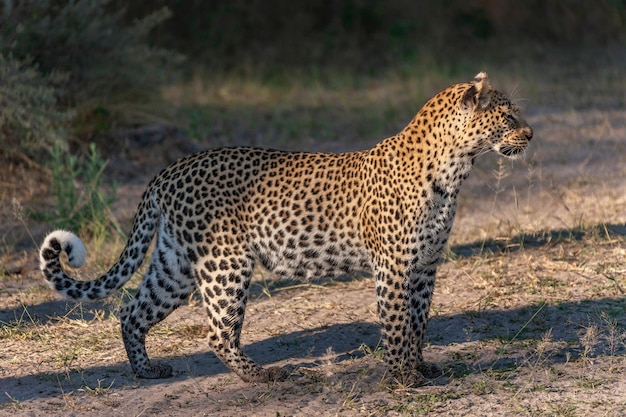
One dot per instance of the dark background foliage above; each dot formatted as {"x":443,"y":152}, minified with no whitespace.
{"x":75,"y":68}
{"x":369,"y":33}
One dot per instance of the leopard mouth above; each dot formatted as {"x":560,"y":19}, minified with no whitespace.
{"x":511,"y":151}
{"x":515,"y":145}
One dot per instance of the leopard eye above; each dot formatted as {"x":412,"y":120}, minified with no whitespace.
{"x":511,"y":119}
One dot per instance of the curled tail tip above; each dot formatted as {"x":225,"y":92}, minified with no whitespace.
{"x":62,"y":240}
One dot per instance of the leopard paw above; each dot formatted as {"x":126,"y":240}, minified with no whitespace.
{"x":430,"y":370}
{"x":407,"y":379}
{"x":155,"y":372}
{"x":271,"y":374}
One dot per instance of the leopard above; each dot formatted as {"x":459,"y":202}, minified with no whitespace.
{"x":217,"y":214}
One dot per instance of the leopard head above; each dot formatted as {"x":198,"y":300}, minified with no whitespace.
{"x":494,"y":122}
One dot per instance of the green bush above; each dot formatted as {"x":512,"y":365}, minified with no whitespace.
{"x":72,"y":54}
{"x":80,"y":201}
{"x":102,"y":56}
{"x":30,"y":116}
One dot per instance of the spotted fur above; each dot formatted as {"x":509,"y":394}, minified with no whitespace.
{"x":217,"y":214}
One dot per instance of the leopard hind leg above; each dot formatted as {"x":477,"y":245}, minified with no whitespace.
{"x":224,"y":287}
{"x":166,"y":285}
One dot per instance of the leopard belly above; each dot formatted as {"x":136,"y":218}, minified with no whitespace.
{"x":312,"y":256}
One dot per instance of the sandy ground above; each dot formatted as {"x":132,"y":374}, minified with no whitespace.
{"x":527,"y":319}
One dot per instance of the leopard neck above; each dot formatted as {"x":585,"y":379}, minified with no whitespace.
{"x":431,"y":151}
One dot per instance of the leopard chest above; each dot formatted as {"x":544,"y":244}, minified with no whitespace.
{"x":432,"y":228}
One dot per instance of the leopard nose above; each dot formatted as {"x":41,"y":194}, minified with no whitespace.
{"x":528,"y":133}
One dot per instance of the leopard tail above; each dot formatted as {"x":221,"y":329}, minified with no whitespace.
{"x":145,"y":224}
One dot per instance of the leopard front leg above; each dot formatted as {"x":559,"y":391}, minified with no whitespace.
{"x":399,"y":342}
{"x":420,"y":292}
{"x":403,"y":305}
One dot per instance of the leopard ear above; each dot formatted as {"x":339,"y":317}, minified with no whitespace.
{"x":479,"y":94}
